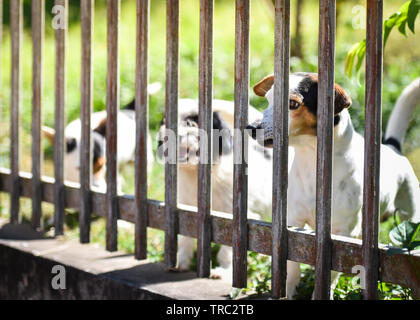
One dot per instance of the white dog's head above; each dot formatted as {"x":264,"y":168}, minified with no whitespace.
{"x":72,"y":151}
{"x":189,"y":135}
{"x":303,"y":106}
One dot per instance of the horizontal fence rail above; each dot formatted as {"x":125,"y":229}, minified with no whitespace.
{"x":346,"y":252}
{"x":320,"y":248}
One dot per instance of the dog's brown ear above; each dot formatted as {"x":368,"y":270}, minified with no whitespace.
{"x":49,"y":134}
{"x":262,"y":87}
{"x":101,"y":127}
{"x":341,"y":99}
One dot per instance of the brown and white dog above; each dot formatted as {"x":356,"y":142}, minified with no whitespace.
{"x":399,"y":186}
{"x":126,"y":146}
{"x":259,"y":181}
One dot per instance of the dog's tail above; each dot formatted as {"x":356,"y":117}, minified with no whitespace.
{"x":401,"y":115}
{"x":152,"y":89}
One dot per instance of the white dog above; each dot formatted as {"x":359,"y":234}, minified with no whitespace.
{"x":399,"y":186}
{"x":126,"y":145}
{"x":259,"y":185}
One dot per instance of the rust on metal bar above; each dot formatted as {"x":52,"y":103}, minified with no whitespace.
{"x":205,"y":120}
{"x":142,"y":105}
{"x":280,"y":147}
{"x":240,"y":179}
{"x":38,"y":9}
{"x":171,"y":118}
{"x":373,"y":127}
{"x":325,"y":124}
{"x":112,"y":106}
{"x":16,"y":16}
{"x":60,"y":120}
{"x":400,"y":269}
{"x":1,"y":41}
{"x":86,"y":87}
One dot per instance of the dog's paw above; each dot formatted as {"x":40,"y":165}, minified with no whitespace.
{"x":220,"y":273}
{"x":215,"y":276}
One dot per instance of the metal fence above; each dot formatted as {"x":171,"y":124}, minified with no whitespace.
{"x":321,"y":249}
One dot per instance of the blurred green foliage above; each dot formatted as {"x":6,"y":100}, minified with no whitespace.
{"x":400,"y":68}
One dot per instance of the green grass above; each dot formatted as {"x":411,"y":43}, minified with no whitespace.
{"x":400,"y":68}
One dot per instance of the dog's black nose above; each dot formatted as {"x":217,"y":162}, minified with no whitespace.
{"x":253,"y":130}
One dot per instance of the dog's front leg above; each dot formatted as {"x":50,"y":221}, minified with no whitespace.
{"x":185,"y":252}
{"x":293,"y":278}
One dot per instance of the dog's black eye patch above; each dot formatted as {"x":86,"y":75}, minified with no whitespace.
{"x":71,"y":144}
{"x":192,"y":118}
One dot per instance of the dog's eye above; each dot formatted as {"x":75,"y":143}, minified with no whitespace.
{"x":293,"y":104}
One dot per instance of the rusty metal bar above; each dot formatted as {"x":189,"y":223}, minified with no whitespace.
{"x":346,"y":252}
{"x":373,"y":126}
{"x":60,"y":119}
{"x":171,"y":117}
{"x":142,"y":105}
{"x":325,"y":126}
{"x":86,"y":87}
{"x":16,"y":16}
{"x":38,"y":9}
{"x":280,"y":147}
{"x":205,"y":120}
{"x":1,"y":41}
{"x":112,"y":106}
{"x":240,"y":179}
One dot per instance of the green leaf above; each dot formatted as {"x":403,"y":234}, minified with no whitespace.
{"x":349,"y":61}
{"x":358,"y":50}
{"x":389,"y":25}
{"x":361,"y":55}
{"x":405,"y":233}
{"x":405,"y":16}
{"x":412,"y":13}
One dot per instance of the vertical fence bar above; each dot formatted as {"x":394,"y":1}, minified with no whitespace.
{"x":142,"y":117}
{"x":280,"y":147}
{"x":87,"y":16}
{"x":112,"y":106}
{"x":38,"y":9}
{"x":373,"y":124}
{"x":325,"y":126}
{"x":205,"y":120}
{"x":171,"y":117}
{"x":240,"y":181}
{"x":60,"y":119}
{"x":16,"y":86}
{"x":1,"y":41}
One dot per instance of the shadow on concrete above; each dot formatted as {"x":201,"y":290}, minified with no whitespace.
{"x":149,"y":273}
{"x":20,"y":232}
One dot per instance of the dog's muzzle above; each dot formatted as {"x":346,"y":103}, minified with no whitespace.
{"x":253,"y":127}
{"x":257,"y":131}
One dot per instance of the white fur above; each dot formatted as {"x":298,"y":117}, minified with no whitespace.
{"x":403,"y":111}
{"x":126,"y":144}
{"x":259,"y":182}
{"x":399,"y":186}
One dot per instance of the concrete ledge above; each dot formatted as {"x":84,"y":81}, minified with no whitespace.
{"x":26,"y":261}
